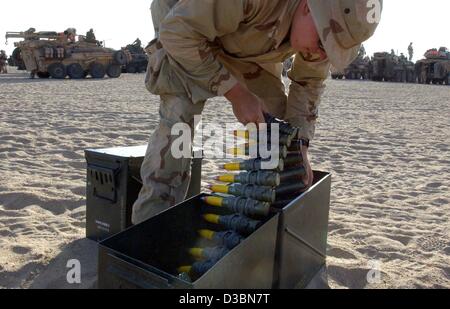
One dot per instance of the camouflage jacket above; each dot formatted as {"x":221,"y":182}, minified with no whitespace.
{"x":199,"y":41}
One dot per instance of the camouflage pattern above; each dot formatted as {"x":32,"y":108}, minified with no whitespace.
{"x":57,"y":55}
{"x":202,"y":50}
{"x":165,"y":179}
{"x":3,"y":62}
{"x":343,"y":25}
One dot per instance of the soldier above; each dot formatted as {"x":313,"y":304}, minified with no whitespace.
{"x":362,"y":51}
{"x":30,"y":31}
{"x":90,"y":36}
{"x":403,"y":57}
{"x":394,"y":56}
{"x":3,"y":62}
{"x":137,"y":43}
{"x":411,"y":51}
{"x":235,"y":48}
{"x":70,"y":34}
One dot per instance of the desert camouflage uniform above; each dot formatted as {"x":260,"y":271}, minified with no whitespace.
{"x":203,"y":48}
{"x":3,"y":63}
{"x":90,"y":37}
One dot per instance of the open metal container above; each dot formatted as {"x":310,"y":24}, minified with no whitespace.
{"x":285,"y":252}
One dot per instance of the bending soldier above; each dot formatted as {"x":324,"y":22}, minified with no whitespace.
{"x":235,"y":48}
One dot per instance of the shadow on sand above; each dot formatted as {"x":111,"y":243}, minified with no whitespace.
{"x":53,"y":276}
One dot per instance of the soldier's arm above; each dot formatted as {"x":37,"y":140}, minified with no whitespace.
{"x":187,"y":32}
{"x":305,"y":92}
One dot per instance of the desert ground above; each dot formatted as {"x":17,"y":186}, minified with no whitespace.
{"x":386,"y":145}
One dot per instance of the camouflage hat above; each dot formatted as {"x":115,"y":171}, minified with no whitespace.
{"x":343,"y":25}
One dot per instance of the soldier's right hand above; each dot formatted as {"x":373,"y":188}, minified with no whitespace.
{"x":247,"y":107}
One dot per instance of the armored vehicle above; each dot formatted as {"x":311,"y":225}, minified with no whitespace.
{"x":358,"y":69}
{"x":383,"y":66}
{"x":139,"y":59}
{"x":57,"y":55}
{"x":435,"y":68}
{"x":404,"y":71}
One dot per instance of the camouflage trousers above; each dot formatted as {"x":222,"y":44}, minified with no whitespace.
{"x":166,"y":179}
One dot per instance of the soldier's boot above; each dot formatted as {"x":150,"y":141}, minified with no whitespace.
{"x":165,"y":179}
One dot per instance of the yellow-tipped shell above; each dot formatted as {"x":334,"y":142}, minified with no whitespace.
{"x":208,"y":234}
{"x":242,"y":133}
{"x":226,"y":178}
{"x":212,"y":218}
{"x":184,"y":269}
{"x":237,"y":151}
{"x":214,"y":200}
{"x":196,"y":252}
{"x":232,"y":166}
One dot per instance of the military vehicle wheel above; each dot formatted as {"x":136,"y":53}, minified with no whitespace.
{"x":57,"y":70}
{"x":120,"y":57}
{"x":142,"y":69}
{"x":334,"y":76}
{"x":97,"y":70}
{"x":75,"y":71}
{"x":114,"y":70}
{"x":43,"y":74}
{"x":131,"y":69}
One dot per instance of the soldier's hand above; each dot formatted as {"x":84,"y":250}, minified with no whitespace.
{"x":247,"y":107}
{"x":309,"y":176}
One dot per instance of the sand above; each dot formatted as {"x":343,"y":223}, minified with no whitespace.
{"x":387,"y":146}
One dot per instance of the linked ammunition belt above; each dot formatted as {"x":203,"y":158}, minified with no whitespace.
{"x":250,"y":193}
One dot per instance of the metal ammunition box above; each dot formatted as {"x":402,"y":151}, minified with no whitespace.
{"x":285,"y":252}
{"x":113,"y":184}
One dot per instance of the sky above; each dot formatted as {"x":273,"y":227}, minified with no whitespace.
{"x":118,"y":22}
